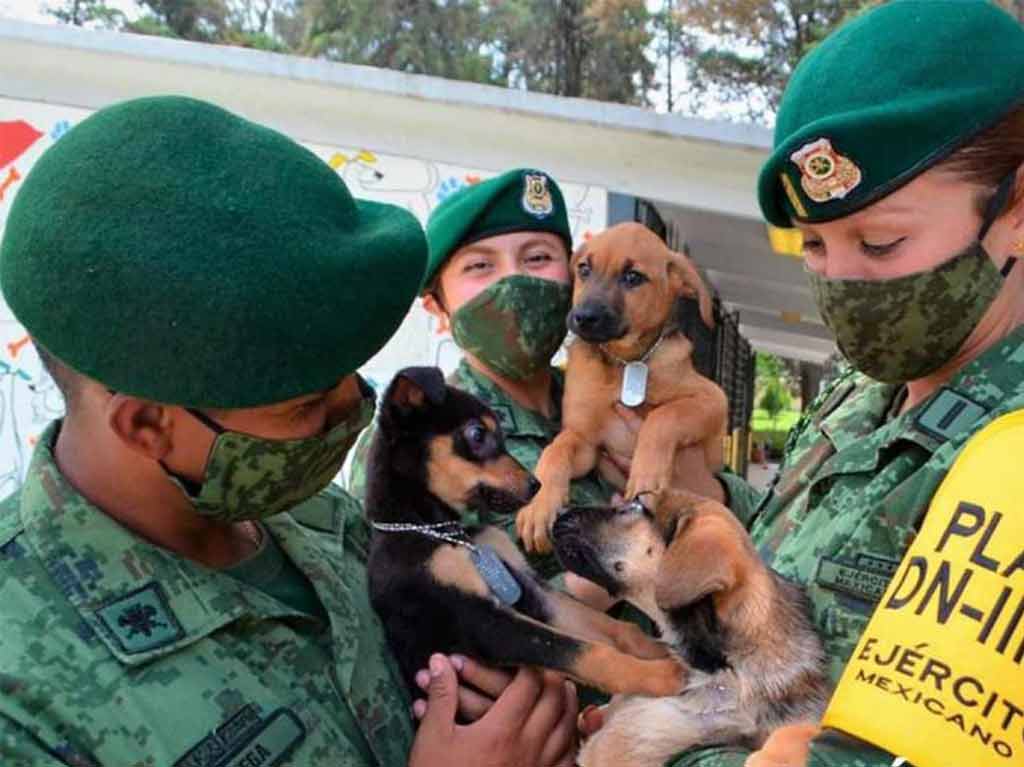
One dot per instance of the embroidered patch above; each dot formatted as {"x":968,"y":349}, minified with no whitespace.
{"x":506,"y":418}
{"x":824,"y":173}
{"x":865,"y":578}
{"x":948,"y":414}
{"x":537,"y":200}
{"x":141,"y":620}
{"x":247,"y":740}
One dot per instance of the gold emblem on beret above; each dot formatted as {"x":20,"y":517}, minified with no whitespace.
{"x":537,"y":199}
{"x":824,"y":173}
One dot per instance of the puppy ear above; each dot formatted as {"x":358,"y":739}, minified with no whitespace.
{"x":414,"y":387}
{"x":686,"y":281}
{"x":699,"y":561}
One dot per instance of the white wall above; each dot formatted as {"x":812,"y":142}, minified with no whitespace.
{"x":28,"y":399}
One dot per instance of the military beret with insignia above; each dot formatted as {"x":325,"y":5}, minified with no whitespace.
{"x":516,"y":201}
{"x":175,"y":251}
{"x":885,"y":97}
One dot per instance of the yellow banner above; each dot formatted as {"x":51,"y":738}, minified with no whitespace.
{"x":938,"y":676}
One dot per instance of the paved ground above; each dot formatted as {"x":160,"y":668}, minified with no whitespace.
{"x":759,"y":475}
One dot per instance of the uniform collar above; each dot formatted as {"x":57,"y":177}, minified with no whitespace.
{"x":140,"y":600}
{"x":984,"y":385}
{"x":516,"y":420}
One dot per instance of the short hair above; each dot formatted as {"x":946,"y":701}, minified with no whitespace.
{"x":69,"y":382}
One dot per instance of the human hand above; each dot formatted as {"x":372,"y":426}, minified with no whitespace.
{"x":532,"y":722}
{"x":479,"y":687}
{"x":690,"y":463}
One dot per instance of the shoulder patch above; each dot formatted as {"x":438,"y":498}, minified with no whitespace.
{"x":141,"y":620}
{"x":948,"y":414}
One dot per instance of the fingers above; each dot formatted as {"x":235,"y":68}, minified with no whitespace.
{"x":490,"y":681}
{"x":560,"y":745}
{"x":629,"y":417}
{"x":514,"y":705}
{"x":588,"y":592}
{"x":591,"y":720}
{"x":442,"y":698}
{"x":548,"y":710}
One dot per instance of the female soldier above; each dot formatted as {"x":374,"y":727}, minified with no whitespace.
{"x":898,"y":154}
{"x":498,"y":280}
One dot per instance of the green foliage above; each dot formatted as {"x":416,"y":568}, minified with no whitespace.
{"x":91,"y":13}
{"x":743,"y":51}
{"x":775,"y":399}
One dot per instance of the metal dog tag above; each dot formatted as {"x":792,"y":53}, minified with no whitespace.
{"x":499,"y":580}
{"x":634,"y":384}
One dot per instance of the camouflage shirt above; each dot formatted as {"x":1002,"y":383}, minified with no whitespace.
{"x":855,"y":484}
{"x":527,"y":433}
{"x":118,"y":653}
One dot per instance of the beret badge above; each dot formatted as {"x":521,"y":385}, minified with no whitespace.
{"x":825,"y":174}
{"x":537,"y":199}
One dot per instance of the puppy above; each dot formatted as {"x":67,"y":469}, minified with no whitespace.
{"x":626,"y":286}
{"x":440,"y":586}
{"x":757,"y":667}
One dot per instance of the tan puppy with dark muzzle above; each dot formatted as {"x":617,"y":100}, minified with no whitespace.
{"x":757,"y":667}
{"x":626,"y":284}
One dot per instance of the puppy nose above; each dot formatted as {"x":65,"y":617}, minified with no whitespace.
{"x":583,"y":318}
{"x":532,"y":486}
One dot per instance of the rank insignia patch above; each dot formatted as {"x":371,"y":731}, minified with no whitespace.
{"x":824,"y":173}
{"x":537,"y":200}
{"x":141,"y":621}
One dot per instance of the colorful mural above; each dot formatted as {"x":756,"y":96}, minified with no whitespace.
{"x":29,"y":399}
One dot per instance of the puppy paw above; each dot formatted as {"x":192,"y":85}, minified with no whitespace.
{"x":631,"y":639}
{"x":668,"y":676}
{"x":533,"y":523}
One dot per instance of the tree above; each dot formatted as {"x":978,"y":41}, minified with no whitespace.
{"x":775,"y":399}
{"x":583,"y":48}
{"x":743,"y":51}
{"x":93,"y":13}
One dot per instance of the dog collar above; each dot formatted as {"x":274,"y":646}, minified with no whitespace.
{"x":646,"y":355}
{"x":448,"y":532}
{"x":500,"y":582}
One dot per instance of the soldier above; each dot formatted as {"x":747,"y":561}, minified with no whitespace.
{"x":498,"y":279}
{"x":179,"y":583}
{"x":898,"y":154}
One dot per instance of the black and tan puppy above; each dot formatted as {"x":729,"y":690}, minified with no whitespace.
{"x":628,"y":348}
{"x":757,"y":668}
{"x":439,"y":586}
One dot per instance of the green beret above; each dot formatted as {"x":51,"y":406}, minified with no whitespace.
{"x":887,"y":96}
{"x":521,"y":200}
{"x":174,"y":251}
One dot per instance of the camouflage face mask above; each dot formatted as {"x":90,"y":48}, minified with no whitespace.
{"x":514,"y":326}
{"x":905,"y":328}
{"x":248,"y":478}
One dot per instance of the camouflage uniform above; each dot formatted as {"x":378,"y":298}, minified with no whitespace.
{"x":115,"y":652}
{"x":852,"y":491}
{"x":527,"y":433}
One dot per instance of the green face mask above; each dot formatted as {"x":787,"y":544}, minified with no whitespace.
{"x":249,"y":478}
{"x":514,"y":326}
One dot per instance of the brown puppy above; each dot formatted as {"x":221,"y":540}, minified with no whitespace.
{"x":625,"y":292}
{"x":757,"y":675}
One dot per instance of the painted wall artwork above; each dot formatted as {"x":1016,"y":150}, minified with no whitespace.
{"x":28,"y":398}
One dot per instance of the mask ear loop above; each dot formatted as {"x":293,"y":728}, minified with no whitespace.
{"x":994,"y":209}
